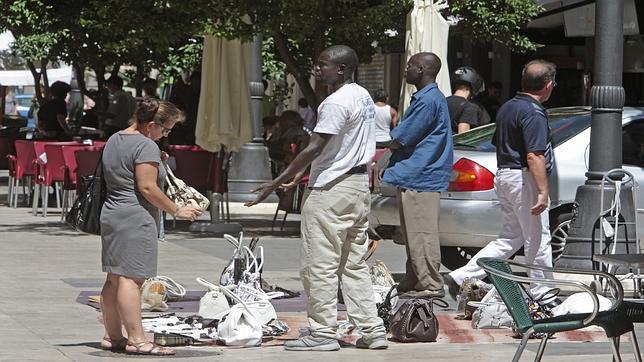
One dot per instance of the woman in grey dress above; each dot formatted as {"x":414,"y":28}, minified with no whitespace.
{"x":129,"y":220}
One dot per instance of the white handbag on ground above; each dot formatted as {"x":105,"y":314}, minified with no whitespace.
{"x":491,"y":313}
{"x":382,"y":281}
{"x":182,"y":194}
{"x":155,"y":290}
{"x":213,"y":305}
{"x":239,"y":327}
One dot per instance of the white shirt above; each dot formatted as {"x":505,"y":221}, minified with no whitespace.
{"x":383,"y":123}
{"x":348,"y":115}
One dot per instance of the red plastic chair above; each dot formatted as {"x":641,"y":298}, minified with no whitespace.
{"x":7,"y":161}
{"x":56,"y":173}
{"x":24,"y":169}
{"x":41,"y":186}
{"x":86,"y":162}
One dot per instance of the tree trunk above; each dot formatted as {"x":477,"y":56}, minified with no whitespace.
{"x":291,"y":66}
{"x":318,"y":46}
{"x":80,"y":77}
{"x":115,"y":70}
{"x":45,"y":79}
{"x":138,"y":80}
{"x":36,"y":76}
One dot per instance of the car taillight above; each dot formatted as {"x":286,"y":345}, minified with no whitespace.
{"x":468,"y":175}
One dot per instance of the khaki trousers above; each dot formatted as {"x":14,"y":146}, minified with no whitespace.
{"x":419,"y":225}
{"x":334,"y":225}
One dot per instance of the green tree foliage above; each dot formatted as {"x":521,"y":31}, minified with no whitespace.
{"x":300,"y":30}
{"x":102,"y":35}
{"x":496,"y":20}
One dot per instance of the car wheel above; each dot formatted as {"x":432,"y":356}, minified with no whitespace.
{"x":559,"y":234}
{"x":454,"y":257}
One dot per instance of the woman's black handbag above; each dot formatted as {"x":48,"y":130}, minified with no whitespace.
{"x":85,"y":215}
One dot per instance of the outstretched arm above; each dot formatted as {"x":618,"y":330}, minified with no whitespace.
{"x":301,"y":162}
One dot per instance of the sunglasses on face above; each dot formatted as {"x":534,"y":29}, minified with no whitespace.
{"x":166,"y":131}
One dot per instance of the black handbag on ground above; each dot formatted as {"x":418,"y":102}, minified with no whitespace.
{"x":85,"y":214}
{"x":415,"y":321}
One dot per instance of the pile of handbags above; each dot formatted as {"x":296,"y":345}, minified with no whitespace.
{"x":239,"y":303}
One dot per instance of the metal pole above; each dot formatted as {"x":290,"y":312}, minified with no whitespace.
{"x":256,"y":86}
{"x":607,"y":101}
{"x":607,"y":94}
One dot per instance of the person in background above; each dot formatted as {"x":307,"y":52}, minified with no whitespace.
{"x":524,"y":160}
{"x":335,"y":209}
{"x":464,"y":114}
{"x":10,"y":104}
{"x":52,"y":116}
{"x":288,"y":133}
{"x":269,"y":123}
{"x":150,"y":86}
{"x":120,"y":109}
{"x":420,"y":167}
{"x":134,"y":179}
{"x":491,"y":99}
{"x":306,"y":113}
{"x":386,"y":118}
{"x":186,"y":97}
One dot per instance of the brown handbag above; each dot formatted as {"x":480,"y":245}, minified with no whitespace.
{"x":415,"y":321}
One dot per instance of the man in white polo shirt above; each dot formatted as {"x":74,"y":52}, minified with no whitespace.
{"x":336,"y":208}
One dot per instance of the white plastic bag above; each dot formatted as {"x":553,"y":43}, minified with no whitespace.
{"x":213,"y":305}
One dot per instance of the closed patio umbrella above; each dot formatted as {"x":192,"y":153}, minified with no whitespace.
{"x":224,"y":117}
{"x":427,"y":31}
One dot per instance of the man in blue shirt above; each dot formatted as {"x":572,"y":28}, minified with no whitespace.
{"x":421,"y":166}
{"x":524,"y":160}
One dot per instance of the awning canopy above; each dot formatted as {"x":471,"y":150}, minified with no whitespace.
{"x":25,"y":78}
{"x":224,"y":117}
{"x":427,"y":31}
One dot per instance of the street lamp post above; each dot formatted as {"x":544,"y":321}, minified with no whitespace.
{"x":607,"y":101}
{"x":250,"y":167}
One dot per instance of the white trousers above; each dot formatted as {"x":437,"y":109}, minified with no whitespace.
{"x":517,"y":193}
{"x":334,"y":226}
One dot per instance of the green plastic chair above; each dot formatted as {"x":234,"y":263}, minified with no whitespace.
{"x":614,"y":322}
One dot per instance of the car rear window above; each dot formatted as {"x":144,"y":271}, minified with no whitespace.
{"x":564,"y":124}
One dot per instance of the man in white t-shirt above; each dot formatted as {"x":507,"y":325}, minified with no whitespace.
{"x":336,"y":207}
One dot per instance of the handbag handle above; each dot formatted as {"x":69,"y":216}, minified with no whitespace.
{"x":231,"y":239}
{"x":207,"y":284}
{"x":233,"y":296}
{"x":173,"y":287}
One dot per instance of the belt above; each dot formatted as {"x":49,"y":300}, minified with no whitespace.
{"x":513,"y":168}
{"x":357,"y":169}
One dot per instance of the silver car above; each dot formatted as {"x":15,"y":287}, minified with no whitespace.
{"x":470,"y":214}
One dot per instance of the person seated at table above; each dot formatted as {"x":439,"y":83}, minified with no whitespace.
{"x":289,"y":131}
{"x":52,"y":116}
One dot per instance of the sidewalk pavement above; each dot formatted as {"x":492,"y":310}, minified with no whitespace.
{"x":45,"y":265}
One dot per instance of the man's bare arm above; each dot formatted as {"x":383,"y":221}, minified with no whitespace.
{"x":302,"y":161}
{"x":537,"y":167}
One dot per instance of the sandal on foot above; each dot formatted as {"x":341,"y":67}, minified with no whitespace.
{"x":108,"y":345}
{"x":155,"y":349}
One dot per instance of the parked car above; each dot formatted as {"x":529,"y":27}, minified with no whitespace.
{"x":470,"y":214}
